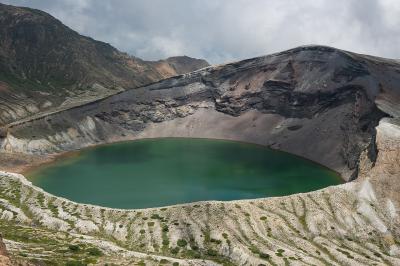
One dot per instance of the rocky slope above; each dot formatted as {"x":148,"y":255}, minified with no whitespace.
{"x":173,"y":66}
{"x":334,"y":107}
{"x":317,"y":102}
{"x":45,"y":65}
{"x":352,"y":224}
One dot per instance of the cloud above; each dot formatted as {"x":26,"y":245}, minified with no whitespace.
{"x":222,"y":30}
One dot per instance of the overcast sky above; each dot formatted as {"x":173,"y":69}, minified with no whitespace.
{"x":226,"y":30}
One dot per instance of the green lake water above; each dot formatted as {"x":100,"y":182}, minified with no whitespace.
{"x":160,"y":172}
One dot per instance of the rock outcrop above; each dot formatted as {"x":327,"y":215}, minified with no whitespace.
{"x":317,"y":102}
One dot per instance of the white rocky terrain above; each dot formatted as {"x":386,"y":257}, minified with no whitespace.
{"x":352,"y":224}
{"x":334,"y":107}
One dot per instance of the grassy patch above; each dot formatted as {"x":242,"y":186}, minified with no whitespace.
{"x":181,"y":243}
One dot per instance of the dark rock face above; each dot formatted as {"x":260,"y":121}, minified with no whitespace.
{"x":44,"y":64}
{"x":324,"y":100}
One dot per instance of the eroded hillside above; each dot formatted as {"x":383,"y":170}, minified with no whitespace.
{"x":46,"y":66}
{"x":317,"y":102}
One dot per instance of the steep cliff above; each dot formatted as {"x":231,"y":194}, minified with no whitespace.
{"x":318,"y":102}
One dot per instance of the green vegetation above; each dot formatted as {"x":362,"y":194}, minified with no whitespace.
{"x":216,"y":241}
{"x":212,"y":252}
{"x":181,"y":243}
{"x":150,"y":223}
{"x":94,"y":251}
{"x":279,"y":252}
{"x":175,"y":250}
{"x":165,"y":228}
{"x":256,"y":250}
{"x":62,"y":248}
{"x":264,"y":255}
{"x":74,"y":248}
{"x":156,"y":216}
{"x":75,"y":263}
{"x":164,"y":261}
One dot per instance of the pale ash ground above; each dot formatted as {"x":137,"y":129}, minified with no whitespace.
{"x":351,"y":224}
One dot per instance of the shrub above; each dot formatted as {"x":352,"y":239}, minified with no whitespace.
{"x":181,"y":243}
{"x":254,"y":249}
{"x":94,"y":252}
{"x":155,"y":216}
{"x":74,"y":248}
{"x":165,"y":228}
{"x":175,"y":250}
{"x":212,"y":252}
{"x":193,"y":254}
{"x":264,"y":255}
{"x":217,"y":241}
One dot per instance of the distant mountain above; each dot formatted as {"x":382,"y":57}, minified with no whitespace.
{"x":179,"y":65}
{"x":44,"y":65}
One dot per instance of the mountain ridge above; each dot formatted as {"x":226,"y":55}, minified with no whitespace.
{"x":39,"y":56}
{"x":296,"y":90}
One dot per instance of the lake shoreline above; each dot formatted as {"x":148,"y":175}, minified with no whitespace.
{"x":189,"y":170}
{"x":50,"y":158}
